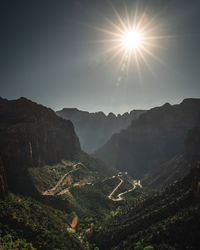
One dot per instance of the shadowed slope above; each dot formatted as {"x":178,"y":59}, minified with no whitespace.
{"x":32,"y":135}
{"x":156,"y":137}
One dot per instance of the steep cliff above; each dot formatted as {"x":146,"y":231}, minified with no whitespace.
{"x":94,"y":129}
{"x":156,"y":137}
{"x":3,"y":181}
{"x":32,"y":135}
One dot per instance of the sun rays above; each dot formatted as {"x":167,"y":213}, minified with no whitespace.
{"x":133,"y":38}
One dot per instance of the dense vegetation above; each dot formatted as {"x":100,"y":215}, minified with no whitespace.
{"x":27,"y":223}
{"x":86,"y":189}
{"x":25,"y":220}
{"x":86,"y":218}
{"x":166,"y":220}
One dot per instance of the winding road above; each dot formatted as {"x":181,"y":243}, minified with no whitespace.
{"x":110,"y":196}
{"x":119,"y":196}
{"x":52,"y":190}
{"x":115,"y":189}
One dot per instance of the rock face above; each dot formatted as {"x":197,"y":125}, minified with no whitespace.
{"x":94,"y":129}
{"x":179,"y":165}
{"x":32,"y":135}
{"x":3,"y":181}
{"x":156,"y":137}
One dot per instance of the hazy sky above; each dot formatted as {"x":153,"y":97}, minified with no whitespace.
{"x":49,"y":53}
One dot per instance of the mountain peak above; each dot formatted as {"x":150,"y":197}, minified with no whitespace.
{"x":111,"y":115}
{"x":166,"y":105}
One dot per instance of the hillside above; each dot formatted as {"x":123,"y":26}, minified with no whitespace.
{"x":62,"y":198}
{"x":153,"y":139}
{"x":63,"y":191}
{"x":28,"y":224}
{"x":32,"y":135}
{"x":178,"y":166}
{"x":94,"y":129}
{"x":168,"y":219}
{"x":83,"y":187}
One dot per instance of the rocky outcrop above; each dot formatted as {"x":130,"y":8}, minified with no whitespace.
{"x":156,"y":137}
{"x":32,"y":135}
{"x":94,"y":129}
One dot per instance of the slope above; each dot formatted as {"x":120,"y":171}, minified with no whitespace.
{"x":24,"y":220}
{"x":32,"y":135}
{"x":167,"y":220}
{"x":178,"y":166}
{"x":156,"y":137}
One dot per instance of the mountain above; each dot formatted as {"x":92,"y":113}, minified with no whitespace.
{"x":55,"y":196}
{"x":153,"y":139}
{"x":31,"y":136}
{"x":94,"y":129}
{"x":179,"y":165}
{"x":46,"y":180}
{"x":169,"y":219}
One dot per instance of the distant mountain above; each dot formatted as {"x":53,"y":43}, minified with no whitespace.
{"x":179,"y":165}
{"x":94,"y":129}
{"x":31,"y":135}
{"x":156,"y":137}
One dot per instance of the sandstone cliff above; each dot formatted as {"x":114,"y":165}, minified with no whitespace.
{"x":32,"y":135}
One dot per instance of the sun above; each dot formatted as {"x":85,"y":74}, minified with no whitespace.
{"x":132,"y":39}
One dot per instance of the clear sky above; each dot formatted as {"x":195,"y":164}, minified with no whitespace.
{"x":50,"y":53}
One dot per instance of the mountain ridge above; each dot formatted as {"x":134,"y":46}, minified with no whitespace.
{"x":94,"y":129}
{"x":155,"y":137}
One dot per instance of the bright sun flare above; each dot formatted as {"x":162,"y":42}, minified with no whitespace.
{"x":132,"y":39}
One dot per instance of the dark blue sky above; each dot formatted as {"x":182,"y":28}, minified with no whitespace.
{"x":48,"y":54}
